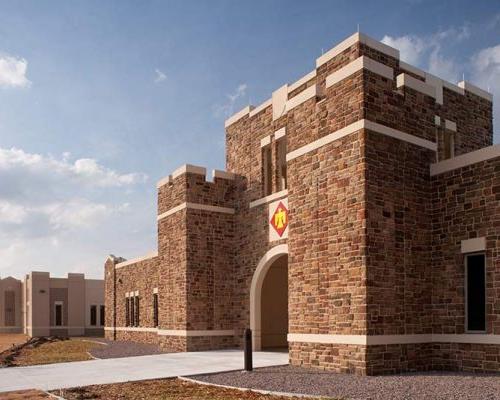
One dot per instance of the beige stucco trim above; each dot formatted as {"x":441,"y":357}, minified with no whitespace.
{"x":240,"y":114}
{"x":453,"y":87}
{"x":268,"y":199}
{"x":356,"y":126}
{"x":265,"y":141}
{"x":463,"y":160}
{"x":155,"y":290}
{"x":374,"y":340}
{"x":450,"y":125}
{"x":351,"y":40}
{"x":216,"y":173}
{"x":412,"y":69}
{"x":261,"y":107}
{"x":306,"y":78}
{"x":164,"y":181}
{"x":130,"y":329}
{"x":188,"y":168}
{"x":136,"y":260}
{"x":256,"y":290}
{"x":473,"y":245}
{"x":309,"y":93}
{"x":357,"y":65}
{"x":196,"y":206}
{"x":192,"y":333}
{"x":476,"y":90}
{"x":415,"y":84}
{"x":280,"y":133}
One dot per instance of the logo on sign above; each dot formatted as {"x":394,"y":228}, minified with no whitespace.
{"x":279,"y":220}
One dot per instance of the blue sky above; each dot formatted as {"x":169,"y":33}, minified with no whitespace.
{"x":100,"y":99}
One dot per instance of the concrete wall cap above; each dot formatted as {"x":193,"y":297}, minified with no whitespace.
{"x":415,"y":84}
{"x":222,"y":174}
{"x":476,"y":90}
{"x":188,"y":168}
{"x":240,"y":114}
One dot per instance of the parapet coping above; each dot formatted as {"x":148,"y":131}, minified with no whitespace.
{"x":136,"y":260}
{"x":415,"y":84}
{"x":466,"y":159}
{"x":268,"y":199}
{"x":430,"y":79}
{"x":353,"y":39}
{"x":195,"y":206}
{"x":356,"y":126}
{"x":359,"y":63}
{"x":374,"y":340}
{"x":194,"y":169}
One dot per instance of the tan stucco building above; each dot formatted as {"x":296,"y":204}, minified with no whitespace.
{"x":42,"y":305}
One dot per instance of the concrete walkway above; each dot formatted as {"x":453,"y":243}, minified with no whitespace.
{"x":82,"y":373}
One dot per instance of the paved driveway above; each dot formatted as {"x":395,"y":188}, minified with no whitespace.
{"x":81,"y":373}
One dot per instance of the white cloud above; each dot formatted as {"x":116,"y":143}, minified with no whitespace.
{"x":13,"y":72}
{"x":58,"y":214}
{"x":227,"y":109}
{"x":160,"y":76}
{"x":427,"y":51}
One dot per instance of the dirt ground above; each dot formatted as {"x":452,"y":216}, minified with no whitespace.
{"x":24,"y":395}
{"x":8,"y":339}
{"x":56,"y":352}
{"x":160,"y":389}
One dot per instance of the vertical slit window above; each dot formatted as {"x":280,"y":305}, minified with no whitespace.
{"x":475,"y":265}
{"x":136,"y":310}
{"x":267,"y":169}
{"x":281,"y":164}
{"x":93,"y":315}
{"x":127,"y":312}
{"x":155,"y":309}
{"x":449,"y":145}
{"x":132,"y":311}
{"x":102,"y":315}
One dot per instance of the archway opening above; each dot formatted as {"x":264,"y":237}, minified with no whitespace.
{"x":274,"y":306}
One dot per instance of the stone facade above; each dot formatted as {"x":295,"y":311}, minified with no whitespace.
{"x":389,"y":182}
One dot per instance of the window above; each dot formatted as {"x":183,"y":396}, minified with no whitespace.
{"x":127,"y":312}
{"x":155,"y":309}
{"x":449,"y":145}
{"x":93,"y":315}
{"x":281,"y":164}
{"x":267,"y":167}
{"x":475,"y":294}
{"x":58,"y":314}
{"x":136,"y":310}
{"x":132,"y":311}
{"x":102,"y":315}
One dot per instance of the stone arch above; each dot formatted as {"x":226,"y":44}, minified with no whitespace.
{"x":256,"y":290}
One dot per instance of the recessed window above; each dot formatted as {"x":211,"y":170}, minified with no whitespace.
{"x":93,"y":315}
{"x":267,"y":168}
{"x":449,"y":145}
{"x":155,"y":309}
{"x":136,"y":310}
{"x":281,"y":164}
{"x":58,"y":314}
{"x":475,"y":274}
{"x":127,"y":312}
{"x":132,"y":311}
{"x":102,"y":315}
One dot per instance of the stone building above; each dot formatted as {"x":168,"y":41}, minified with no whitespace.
{"x":358,"y":224}
{"x":45,"y":306}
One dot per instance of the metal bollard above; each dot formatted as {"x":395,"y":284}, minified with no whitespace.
{"x":248,"y":350}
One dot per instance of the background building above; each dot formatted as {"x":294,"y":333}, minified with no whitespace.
{"x":43,"y":306}
{"x":358,"y":225}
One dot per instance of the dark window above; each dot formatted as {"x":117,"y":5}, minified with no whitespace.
{"x":281,"y":164}
{"x":136,"y":310}
{"x":127,"y":312}
{"x":58,"y":315}
{"x":132,"y":311}
{"x":267,"y":168}
{"x":155,"y":309}
{"x":476,"y":292}
{"x":93,"y":315}
{"x":102,"y":316}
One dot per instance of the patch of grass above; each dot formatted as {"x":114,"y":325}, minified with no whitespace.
{"x":160,"y":389}
{"x":55,"y":352}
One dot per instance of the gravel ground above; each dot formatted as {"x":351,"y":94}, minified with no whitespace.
{"x":417,"y":386}
{"x":117,"y":349}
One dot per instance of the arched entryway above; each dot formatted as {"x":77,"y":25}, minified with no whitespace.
{"x":269,"y":300}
